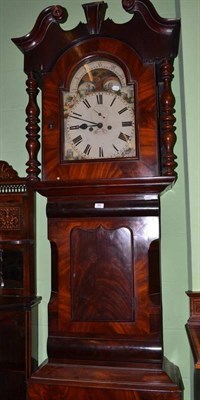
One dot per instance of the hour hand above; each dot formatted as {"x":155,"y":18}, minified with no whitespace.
{"x":82,"y":126}
{"x":85,"y":126}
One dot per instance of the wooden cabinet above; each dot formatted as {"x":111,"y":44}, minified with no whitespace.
{"x":193,"y":331}
{"x":18,"y":301}
{"x":19,"y":344}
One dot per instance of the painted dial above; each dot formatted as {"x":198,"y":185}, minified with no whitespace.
{"x":98,"y":73}
{"x":98,"y":113}
{"x":100,"y":125}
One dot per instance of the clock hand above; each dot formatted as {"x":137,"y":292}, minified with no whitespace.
{"x":85,"y":126}
{"x":82,"y":119}
{"x":100,"y":115}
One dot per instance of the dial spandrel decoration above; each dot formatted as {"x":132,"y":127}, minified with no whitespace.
{"x":99,"y":116}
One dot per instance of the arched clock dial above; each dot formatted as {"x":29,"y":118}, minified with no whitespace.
{"x":99,"y":115}
{"x":100,"y":125}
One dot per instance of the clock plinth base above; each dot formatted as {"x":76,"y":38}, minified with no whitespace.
{"x":148,"y":381}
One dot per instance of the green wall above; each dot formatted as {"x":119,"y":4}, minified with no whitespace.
{"x":180,"y":206}
{"x":190,"y":94}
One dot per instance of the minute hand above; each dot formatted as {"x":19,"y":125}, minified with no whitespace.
{"x":82,"y":119}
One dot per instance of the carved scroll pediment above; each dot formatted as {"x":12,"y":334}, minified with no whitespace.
{"x":46,"y":42}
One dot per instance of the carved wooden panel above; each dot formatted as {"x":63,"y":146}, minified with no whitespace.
{"x":10,"y":218}
{"x":101,"y":268}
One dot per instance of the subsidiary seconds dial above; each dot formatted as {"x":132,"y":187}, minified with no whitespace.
{"x":100,"y":125}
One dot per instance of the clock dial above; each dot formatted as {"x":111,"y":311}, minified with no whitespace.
{"x":99,"y":119}
{"x":100,"y":125}
{"x":99,"y":74}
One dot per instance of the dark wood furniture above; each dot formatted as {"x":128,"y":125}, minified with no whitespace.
{"x":193,"y":331}
{"x":18,"y":301}
{"x":105,"y":313}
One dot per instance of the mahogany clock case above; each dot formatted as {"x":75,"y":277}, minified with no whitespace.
{"x":105,"y":336}
{"x":145,"y":161}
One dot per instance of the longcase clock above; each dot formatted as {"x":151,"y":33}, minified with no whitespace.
{"x":107,"y":155}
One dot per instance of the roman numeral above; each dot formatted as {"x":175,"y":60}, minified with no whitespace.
{"x":123,"y":110}
{"x":87,"y":149}
{"x":80,"y":115}
{"x":124,"y":137}
{"x":112,"y":101}
{"x":101,"y":152}
{"x":87,"y":104}
{"x":74,"y":127}
{"x":77,"y":140}
{"x":115,"y":148}
{"x":127,"y":123}
{"x":99,"y":97}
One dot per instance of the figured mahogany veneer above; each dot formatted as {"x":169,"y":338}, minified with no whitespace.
{"x":94,"y":284}
{"x":105,"y":336}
